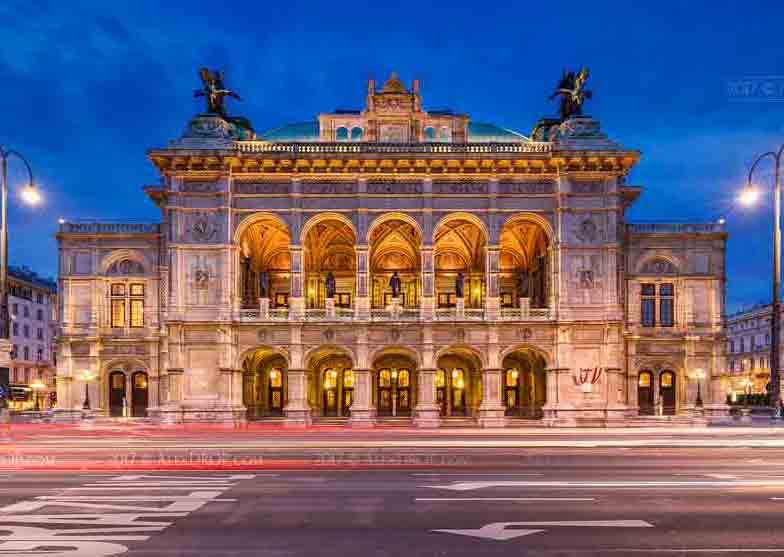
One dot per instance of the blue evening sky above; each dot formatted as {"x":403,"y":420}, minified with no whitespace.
{"x":87,"y":87}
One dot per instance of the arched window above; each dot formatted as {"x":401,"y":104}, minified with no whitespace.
{"x":356,"y":134}
{"x":341,"y":134}
{"x":430,"y":134}
{"x":445,"y":135}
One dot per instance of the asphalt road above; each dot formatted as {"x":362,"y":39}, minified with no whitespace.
{"x":616,"y":502}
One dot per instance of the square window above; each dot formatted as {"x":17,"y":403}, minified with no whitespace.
{"x":118,"y":290}
{"x":137,"y":290}
{"x":665,"y":289}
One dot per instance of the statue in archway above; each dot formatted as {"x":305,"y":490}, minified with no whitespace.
{"x":394,"y":284}
{"x":330,"y":285}
{"x":459,"y":285}
{"x":264,"y":286}
{"x":524,"y":284}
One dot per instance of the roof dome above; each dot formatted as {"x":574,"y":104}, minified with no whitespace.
{"x":393,"y":84}
{"x":300,"y":131}
{"x":482,"y":132}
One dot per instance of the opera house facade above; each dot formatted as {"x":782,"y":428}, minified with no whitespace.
{"x":393,"y":265}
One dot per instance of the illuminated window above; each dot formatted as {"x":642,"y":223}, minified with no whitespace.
{"x":276,"y":378}
{"x":666,"y":379}
{"x":127,"y":305}
{"x":644,"y":379}
{"x":118,"y":381}
{"x":512,"y":376}
{"x":403,"y":378}
{"x":118,"y":312}
{"x":440,"y":378}
{"x":140,"y":381}
{"x":348,"y":379}
{"x":384,"y":378}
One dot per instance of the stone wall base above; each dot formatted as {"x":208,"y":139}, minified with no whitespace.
{"x":362,"y":417}
{"x":427,"y":418}
{"x":492,"y":417}
{"x":184,"y":414}
{"x":298,"y":418}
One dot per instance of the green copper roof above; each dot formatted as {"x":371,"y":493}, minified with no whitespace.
{"x":309,"y":131}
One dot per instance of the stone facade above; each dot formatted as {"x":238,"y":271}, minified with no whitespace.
{"x":518,"y":295}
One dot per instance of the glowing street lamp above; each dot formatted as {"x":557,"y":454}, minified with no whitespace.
{"x":30,"y":196}
{"x":748,"y":197}
{"x":87,"y":377}
{"x":699,"y":374}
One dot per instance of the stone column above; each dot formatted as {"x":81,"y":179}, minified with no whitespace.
{"x":296,"y":294}
{"x":297,"y":410}
{"x":493,"y":301}
{"x":426,"y":412}
{"x":428,"y":303}
{"x":153,"y":384}
{"x":362,"y":411}
{"x":362,"y":299}
{"x":491,"y":411}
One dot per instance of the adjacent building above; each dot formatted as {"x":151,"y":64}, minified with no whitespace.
{"x":33,"y":308}
{"x":748,"y":350}
{"x":393,"y":262}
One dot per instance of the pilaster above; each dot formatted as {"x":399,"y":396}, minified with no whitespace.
{"x":362,"y":412}
{"x":491,"y":411}
{"x":426,"y":413}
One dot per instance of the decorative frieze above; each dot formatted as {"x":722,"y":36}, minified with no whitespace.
{"x":192,"y":186}
{"x":460,"y":187}
{"x":329,"y":188}
{"x":261,"y":188}
{"x":527,"y":188}
{"x":394,"y":187}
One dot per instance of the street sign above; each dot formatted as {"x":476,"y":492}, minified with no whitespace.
{"x":502,"y":531}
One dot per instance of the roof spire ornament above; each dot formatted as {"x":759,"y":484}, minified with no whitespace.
{"x":571,"y":89}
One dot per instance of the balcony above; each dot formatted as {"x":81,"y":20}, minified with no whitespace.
{"x":393,"y":315}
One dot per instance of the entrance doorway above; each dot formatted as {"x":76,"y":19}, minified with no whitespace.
{"x":139,"y":394}
{"x":667,"y":392}
{"x":451,"y":392}
{"x":264,"y":384}
{"x":525,"y":384}
{"x":338,"y":387}
{"x":394,"y":392}
{"x":116,"y":393}
{"x":645,"y":393}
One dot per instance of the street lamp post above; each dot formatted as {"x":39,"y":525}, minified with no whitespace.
{"x":749,"y":196}
{"x":86,"y":376}
{"x":31,"y":196}
{"x":700,"y":375}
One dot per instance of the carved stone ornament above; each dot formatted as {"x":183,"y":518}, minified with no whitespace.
{"x":394,"y":335}
{"x":261,"y":335}
{"x":659,"y":267}
{"x":329,"y":335}
{"x":525,"y":333}
{"x":201,"y":278}
{"x":202,"y":229}
{"x":587,"y":231}
{"x":459,"y":335}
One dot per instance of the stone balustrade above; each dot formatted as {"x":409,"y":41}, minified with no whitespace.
{"x":675,"y":228}
{"x":110,"y":228}
{"x":253,"y":147}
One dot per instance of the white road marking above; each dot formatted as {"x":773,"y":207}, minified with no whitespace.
{"x":109,"y":521}
{"x":506,"y":499}
{"x":721,"y":476}
{"x":469,"y":486}
{"x":706,"y":550}
{"x":501,"y":530}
